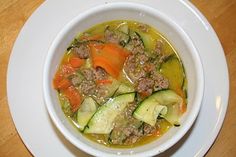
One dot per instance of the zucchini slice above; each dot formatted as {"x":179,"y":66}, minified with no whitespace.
{"x":149,"y":111}
{"x":173,"y":70}
{"x":124,"y":28}
{"x":148,"y":41}
{"x":102,"y":121}
{"x":112,"y":88}
{"x":85,"y":112}
{"x":164,"y":103}
{"x":149,"y":44}
{"x":124,"y":88}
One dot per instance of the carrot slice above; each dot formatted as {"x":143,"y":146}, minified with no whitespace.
{"x":63,"y":84}
{"x":98,"y":46}
{"x":109,"y":67}
{"x":74,"y":97}
{"x":110,"y":57}
{"x":60,"y":80}
{"x":57,"y":79}
{"x":116,"y":50}
{"x":95,"y":49}
{"x":76,"y":62}
{"x":66,"y":69}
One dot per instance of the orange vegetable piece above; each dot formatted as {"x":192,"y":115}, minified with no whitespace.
{"x":60,"y":80}
{"x":57,"y":79}
{"x":108,"y":66}
{"x":116,"y":50}
{"x":76,"y":62}
{"x":98,"y":46}
{"x":74,"y":97}
{"x":63,"y":84}
{"x":66,"y":70}
{"x":110,"y":57}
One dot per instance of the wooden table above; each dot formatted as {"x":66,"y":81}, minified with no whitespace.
{"x":221,"y":14}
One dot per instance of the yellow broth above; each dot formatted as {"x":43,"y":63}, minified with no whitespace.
{"x":102,"y":139}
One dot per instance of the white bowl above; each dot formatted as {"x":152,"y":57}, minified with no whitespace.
{"x":125,"y":11}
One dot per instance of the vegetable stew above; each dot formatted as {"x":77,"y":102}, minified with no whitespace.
{"x":122,"y":84}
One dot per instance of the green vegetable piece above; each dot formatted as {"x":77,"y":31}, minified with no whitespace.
{"x":173,"y":70}
{"x":85,"y":112}
{"x":149,"y":112}
{"x":124,"y":28}
{"x":164,"y":103}
{"x":102,"y":120}
{"x":148,"y":41}
{"x":123,"y":88}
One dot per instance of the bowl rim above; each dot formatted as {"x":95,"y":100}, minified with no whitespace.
{"x":124,"y":5}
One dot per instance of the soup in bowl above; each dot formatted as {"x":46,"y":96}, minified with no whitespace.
{"x":123,"y":79}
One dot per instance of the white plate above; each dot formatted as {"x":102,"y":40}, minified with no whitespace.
{"x":24,"y":79}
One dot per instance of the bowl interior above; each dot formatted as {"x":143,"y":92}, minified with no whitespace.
{"x":125,"y":11}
